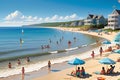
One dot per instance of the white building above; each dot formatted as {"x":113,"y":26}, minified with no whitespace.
{"x":94,"y":20}
{"x":114,"y":20}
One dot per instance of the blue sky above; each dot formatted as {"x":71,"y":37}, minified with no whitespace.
{"x":18,"y":12}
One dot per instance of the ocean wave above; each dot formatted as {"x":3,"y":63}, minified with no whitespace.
{"x":93,"y":43}
{"x":53,"y":52}
{"x":38,"y":65}
{"x":70,"y":49}
{"x":24,"y":56}
{"x":17,"y":50}
{"x":84,"y":45}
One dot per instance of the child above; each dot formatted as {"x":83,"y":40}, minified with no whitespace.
{"x":93,"y":54}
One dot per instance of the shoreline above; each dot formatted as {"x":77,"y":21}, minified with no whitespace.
{"x":84,"y":32}
{"x":62,"y":73}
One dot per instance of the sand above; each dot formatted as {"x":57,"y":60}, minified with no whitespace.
{"x":90,"y":66}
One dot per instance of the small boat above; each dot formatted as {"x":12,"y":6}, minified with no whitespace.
{"x":22,"y":31}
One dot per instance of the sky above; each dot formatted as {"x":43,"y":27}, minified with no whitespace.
{"x":22,"y":12}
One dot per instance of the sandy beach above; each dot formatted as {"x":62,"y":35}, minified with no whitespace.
{"x":91,"y":65}
{"x":63,"y":69}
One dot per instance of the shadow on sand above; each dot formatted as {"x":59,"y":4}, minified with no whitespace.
{"x":86,"y":76}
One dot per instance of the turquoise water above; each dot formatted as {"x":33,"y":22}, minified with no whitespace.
{"x":20,"y":42}
{"x":34,"y":38}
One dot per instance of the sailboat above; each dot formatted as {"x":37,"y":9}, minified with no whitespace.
{"x":22,"y":31}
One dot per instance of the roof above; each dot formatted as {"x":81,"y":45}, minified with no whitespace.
{"x":118,"y":11}
{"x":95,"y":16}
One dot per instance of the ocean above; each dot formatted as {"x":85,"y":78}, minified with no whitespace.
{"x":40,"y":45}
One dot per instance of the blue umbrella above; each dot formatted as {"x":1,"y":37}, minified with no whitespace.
{"x":116,"y":40}
{"x":76,"y":61}
{"x":117,"y":51}
{"x":117,"y":37}
{"x":107,"y":61}
{"x":106,"y":42}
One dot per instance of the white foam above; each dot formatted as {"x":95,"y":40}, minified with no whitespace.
{"x":84,"y":45}
{"x":54,"y":52}
{"x":93,"y":44}
{"x":38,"y":65}
{"x":71,"y":49}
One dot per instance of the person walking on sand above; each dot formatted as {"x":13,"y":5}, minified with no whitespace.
{"x":101,"y":51}
{"x":93,"y":54}
{"x":23,"y":73}
{"x":49,"y":65}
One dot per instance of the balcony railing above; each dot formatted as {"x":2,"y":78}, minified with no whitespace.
{"x":112,"y":19}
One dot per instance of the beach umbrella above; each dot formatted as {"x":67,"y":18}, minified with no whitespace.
{"x":76,"y":61}
{"x":117,"y":37}
{"x":116,"y":40}
{"x":106,"y":42}
{"x":107,"y":61}
{"x":117,"y":51}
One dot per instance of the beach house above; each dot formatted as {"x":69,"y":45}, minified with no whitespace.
{"x":74,"y":23}
{"x":114,"y":20}
{"x":77,"y":23}
{"x":94,"y":20}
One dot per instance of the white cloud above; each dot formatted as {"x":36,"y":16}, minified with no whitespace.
{"x":73,"y":16}
{"x":17,"y":17}
{"x":47,"y":19}
{"x":61,"y":18}
{"x":55,"y":17}
{"x":40,"y":19}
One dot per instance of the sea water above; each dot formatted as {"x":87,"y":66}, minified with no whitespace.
{"x":22,"y":42}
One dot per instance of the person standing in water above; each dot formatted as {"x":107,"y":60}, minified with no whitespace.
{"x":21,"y":41}
{"x":69,"y":43}
{"x":18,"y":62}
{"x":49,"y":65}
{"x":101,"y":51}
{"x":28,"y":59}
{"x":9,"y":65}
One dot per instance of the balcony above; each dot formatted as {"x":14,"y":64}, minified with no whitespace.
{"x":109,"y":19}
{"x":88,"y":20}
{"x":112,"y":23}
{"x":113,"y":15}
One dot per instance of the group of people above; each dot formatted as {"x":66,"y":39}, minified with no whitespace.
{"x":18,"y":62}
{"x":109,"y":70}
{"x":100,"y":51}
{"x":108,"y":49}
{"x":45,"y":46}
{"x":79,"y":72}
